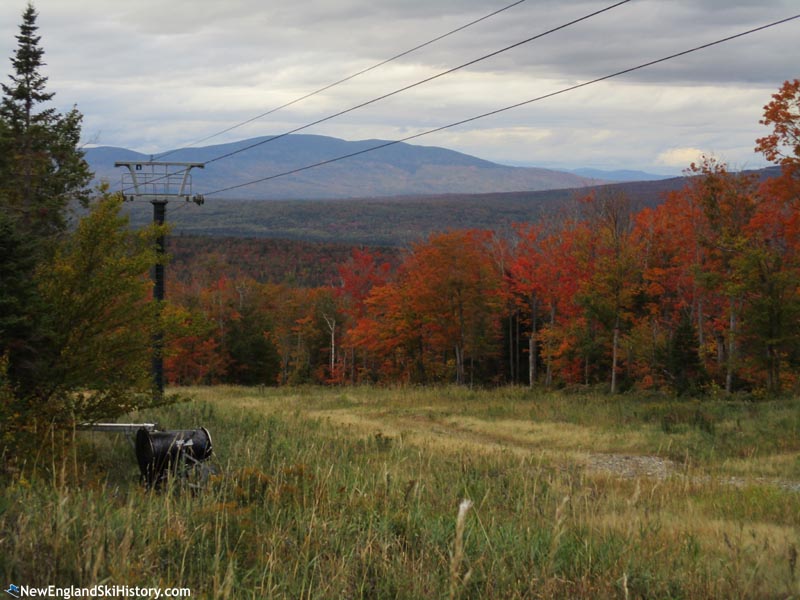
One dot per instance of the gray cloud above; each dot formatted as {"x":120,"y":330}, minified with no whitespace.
{"x":152,"y":75}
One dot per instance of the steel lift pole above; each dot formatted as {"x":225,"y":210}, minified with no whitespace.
{"x":158,"y":183}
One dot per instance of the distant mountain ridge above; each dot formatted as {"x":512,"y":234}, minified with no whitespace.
{"x":397,"y":170}
{"x":620,"y":175}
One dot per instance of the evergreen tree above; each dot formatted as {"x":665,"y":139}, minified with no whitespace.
{"x":17,"y":294}
{"x":682,"y":359}
{"x":42,"y":172}
{"x":28,"y":87}
{"x":255,"y":359}
{"x":42,"y":168}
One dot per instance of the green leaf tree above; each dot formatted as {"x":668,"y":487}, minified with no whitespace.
{"x":609,"y":257}
{"x":99,"y":323}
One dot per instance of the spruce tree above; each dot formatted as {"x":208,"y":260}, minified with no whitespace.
{"x":42,"y":168}
{"x":42,"y":173}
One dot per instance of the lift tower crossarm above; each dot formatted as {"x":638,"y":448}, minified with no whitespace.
{"x":157,"y":180}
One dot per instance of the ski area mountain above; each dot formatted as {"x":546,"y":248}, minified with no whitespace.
{"x":397,"y":170}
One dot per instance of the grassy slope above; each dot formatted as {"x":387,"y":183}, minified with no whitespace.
{"x":345,"y":493}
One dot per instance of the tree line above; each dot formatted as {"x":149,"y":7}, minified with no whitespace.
{"x":697,"y":294}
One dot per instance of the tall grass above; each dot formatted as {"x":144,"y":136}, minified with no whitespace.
{"x":351,"y":494}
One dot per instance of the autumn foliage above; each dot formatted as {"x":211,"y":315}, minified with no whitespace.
{"x":698,"y":293}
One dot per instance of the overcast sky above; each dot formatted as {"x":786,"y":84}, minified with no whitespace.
{"x":153,"y":75}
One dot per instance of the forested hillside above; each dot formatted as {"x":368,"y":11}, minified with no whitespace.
{"x":696,"y":293}
{"x":391,"y":221}
{"x":303,"y":264}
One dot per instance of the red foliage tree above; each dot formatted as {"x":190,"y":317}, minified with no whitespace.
{"x":443,"y":307}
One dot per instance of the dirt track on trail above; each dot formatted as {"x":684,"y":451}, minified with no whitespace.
{"x":554,"y":442}
{"x":524,"y":439}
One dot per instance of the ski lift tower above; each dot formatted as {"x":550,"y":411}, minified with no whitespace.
{"x":159,"y":182}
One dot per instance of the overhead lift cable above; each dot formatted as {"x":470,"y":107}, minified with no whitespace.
{"x":344,"y":80}
{"x":507,"y":108}
{"x":416,"y":84}
{"x":413,"y":85}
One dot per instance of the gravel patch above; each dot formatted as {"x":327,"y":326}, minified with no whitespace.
{"x":628,"y":466}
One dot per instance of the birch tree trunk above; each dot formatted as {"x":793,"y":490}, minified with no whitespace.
{"x":331,"y":322}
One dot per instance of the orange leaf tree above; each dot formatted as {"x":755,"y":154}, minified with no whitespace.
{"x":443,"y":311}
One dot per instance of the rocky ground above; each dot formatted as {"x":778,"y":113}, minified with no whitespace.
{"x":635,"y":466}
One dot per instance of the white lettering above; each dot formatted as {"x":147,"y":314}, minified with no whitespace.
{"x":102,"y":591}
